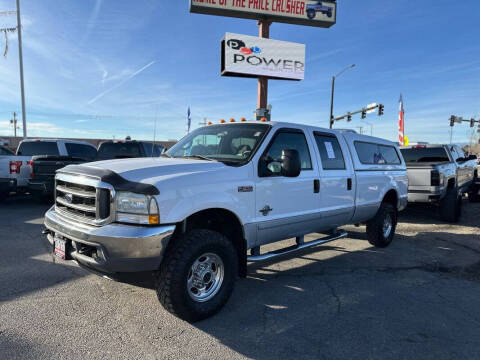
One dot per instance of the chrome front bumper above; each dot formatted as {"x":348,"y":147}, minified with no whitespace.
{"x":117,"y":247}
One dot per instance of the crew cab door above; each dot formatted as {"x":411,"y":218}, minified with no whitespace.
{"x":286,"y":206}
{"x":337,"y":179}
{"x":464,"y":171}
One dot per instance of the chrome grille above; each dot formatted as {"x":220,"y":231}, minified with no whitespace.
{"x":84,"y":199}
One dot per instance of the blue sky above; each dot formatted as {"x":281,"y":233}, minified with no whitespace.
{"x":104,"y":68}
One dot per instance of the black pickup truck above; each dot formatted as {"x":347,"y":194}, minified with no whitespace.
{"x":42,"y":178}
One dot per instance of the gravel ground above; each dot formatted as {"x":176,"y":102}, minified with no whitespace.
{"x":419,"y":298}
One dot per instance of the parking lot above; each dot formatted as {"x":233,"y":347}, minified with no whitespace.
{"x":418,"y":298}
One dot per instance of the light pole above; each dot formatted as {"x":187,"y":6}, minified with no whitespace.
{"x":333,"y":92}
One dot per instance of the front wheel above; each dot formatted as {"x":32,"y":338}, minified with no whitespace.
{"x":197,"y":276}
{"x":311,"y":13}
{"x":381,"y":229}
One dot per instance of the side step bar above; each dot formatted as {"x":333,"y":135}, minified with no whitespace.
{"x":339,"y":234}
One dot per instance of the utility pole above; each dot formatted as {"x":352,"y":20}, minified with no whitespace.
{"x":14,"y":122}
{"x":20,"y":55}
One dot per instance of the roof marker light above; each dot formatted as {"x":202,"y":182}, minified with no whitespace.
{"x":222,"y":121}
{"x":243,"y":119}
{"x":232,"y":120}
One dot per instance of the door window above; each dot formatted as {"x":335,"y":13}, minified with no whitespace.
{"x":330,"y":152}
{"x":286,"y":140}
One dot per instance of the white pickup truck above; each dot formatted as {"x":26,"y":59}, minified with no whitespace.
{"x":192,"y":215}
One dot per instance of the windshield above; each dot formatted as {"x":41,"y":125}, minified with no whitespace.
{"x":423,"y":155}
{"x":230,"y":143}
{"x":119,"y":150}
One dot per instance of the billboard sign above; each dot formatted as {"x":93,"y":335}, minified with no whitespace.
{"x":300,"y":12}
{"x":250,"y":56}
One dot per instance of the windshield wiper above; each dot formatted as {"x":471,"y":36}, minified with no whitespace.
{"x":198,"y":157}
{"x":166,"y":155}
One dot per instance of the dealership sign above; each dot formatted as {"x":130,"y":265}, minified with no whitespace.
{"x":250,"y":56}
{"x":300,"y":12}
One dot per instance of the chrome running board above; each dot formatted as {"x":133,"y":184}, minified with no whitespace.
{"x":300,"y":246}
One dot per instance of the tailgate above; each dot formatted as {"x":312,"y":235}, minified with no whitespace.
{"x":44,"y":167}
{"x":419,"y":176}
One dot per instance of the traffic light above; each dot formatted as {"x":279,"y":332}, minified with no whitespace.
{"x":364,"y":114}
{"x":452,"y":120}
{"x":349,"y":117}
{"x":380,"y":109}
{"x":472,"y":122}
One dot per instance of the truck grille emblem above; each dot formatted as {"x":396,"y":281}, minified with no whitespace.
{"x":69,"y":198}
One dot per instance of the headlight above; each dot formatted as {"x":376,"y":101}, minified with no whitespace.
{"x":136,"y":209}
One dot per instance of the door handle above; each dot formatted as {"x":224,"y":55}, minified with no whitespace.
{"x":316,"y":186}
{"x":349,"y":184}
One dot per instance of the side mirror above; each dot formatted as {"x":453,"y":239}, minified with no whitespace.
{"x":291,"y":164}
{"x":472,"y":157}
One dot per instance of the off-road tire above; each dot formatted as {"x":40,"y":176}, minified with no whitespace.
{"x":451,"y":206}
{"x":311,"y":14}
{"x":171,"y":279}
{"x":473,"y":194}
{"x":375,"y":231}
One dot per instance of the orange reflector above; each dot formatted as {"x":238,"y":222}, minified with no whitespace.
{"x":153,"y":219}
{"x":209,"y":123}
{"x":263,"y":119}
{"x":232,"y":120}
{"x":243,"y":119}
{"x":222,"y":121}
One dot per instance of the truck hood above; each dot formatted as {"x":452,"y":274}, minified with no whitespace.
{"x":150,"y":170}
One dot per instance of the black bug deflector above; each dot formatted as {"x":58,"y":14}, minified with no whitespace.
{"x":110,"y":177}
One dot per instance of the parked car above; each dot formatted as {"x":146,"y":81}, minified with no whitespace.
{"x":43,"y":167}
{"x":439,"y":174}
{"x":7,"y":182}
{"x":319,"y":7}
{"x":191,"y":216}
{"x":109,"y":150}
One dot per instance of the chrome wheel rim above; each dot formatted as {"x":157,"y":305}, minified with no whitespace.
{"x":205,"y":277}
{"x":387,"y":226}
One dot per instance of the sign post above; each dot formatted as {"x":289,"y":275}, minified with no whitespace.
{"x":262,"y":93}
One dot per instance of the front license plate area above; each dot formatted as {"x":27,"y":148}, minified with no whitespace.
{"x":60,"y":248}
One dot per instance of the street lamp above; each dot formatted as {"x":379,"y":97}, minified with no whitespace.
{"x":333,"y":92}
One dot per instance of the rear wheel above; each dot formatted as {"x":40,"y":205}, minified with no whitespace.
{"x":451,"y":206}
{"x":381,"y":229}
{"x":311,"y":13}
{"x":197,"y":276}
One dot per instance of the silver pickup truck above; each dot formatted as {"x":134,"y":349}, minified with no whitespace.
{"x":440,"y":174}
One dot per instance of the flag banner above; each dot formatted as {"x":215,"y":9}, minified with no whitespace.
{"x":401,"y":123}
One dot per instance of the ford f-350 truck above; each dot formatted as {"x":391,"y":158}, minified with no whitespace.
{"x":195,"y":216}
{"x":440,"y":174}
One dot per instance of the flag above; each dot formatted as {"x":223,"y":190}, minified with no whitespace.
{"x":189,"y":120}
{"x":401,"y":123}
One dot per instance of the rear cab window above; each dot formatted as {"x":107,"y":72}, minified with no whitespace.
{"x":425,"y":155}
{"x":376,"y":154}
{"x":82,"y":151}
{"x":34,"y":148}
{"x":120,"y":150}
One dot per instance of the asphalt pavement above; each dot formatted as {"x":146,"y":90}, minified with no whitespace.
{"x":418,"y":298}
